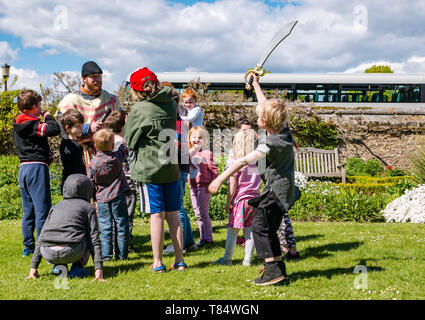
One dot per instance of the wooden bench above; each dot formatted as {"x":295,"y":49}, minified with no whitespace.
{"x":314,"y":162}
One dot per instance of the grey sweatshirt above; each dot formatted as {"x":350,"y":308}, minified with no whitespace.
{"x":71,"y":220}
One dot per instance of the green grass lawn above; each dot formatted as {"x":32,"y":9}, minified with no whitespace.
{"x":394,"y":255}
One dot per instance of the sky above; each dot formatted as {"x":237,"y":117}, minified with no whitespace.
{"x":40,"y":37}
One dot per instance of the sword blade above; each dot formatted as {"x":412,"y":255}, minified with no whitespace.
{"x":277,"y":39}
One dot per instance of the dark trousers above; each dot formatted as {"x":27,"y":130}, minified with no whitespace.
{"x":266,"y":222}
{"x":34,"y":183}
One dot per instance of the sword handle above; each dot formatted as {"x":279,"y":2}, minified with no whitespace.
{"x":248,"y":85}
{"x":257,"y":71}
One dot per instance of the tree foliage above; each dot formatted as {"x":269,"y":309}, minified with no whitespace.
{"x":379,"y":69}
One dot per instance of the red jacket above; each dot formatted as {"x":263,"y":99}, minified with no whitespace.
{"x":203,"y":169}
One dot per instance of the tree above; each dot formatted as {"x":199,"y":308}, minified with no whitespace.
{"x":379,"y":69}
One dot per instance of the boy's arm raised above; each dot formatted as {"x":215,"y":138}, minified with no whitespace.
{"x":258,"y":91}
{"x":236,"y":166}
{"x":51,"y":127}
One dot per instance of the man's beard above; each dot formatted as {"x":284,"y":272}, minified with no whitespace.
{"x":94,"y":90}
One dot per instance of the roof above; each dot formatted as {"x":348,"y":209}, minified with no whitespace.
{"x":238,"y":78}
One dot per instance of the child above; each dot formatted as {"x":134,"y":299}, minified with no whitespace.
{"x":287,"y":239}
{"x":30,"y":138}
{"x":279,"y":192}
{"x":194,"y":112}
{"x":106,"y":172}
{"x":243,"y":186}
{"x":183,"y":160}
{"x":244,"y":124}
{"x":153,"y":114}
{"x":70,"y":233}
{"x":116,"y":123}
{"x":70,"y":149}
{"x":203,"y":170}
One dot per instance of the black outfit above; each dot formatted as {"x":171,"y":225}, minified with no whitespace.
{"x":30,"y":137}
{"x":278,"y":195}
{"x":72,"y":157}
{"x":266,"y":222}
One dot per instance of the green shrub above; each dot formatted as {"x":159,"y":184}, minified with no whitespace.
{"x":10,"y":202}
{"x":417,"y":162}
{"x":395,"y":172}
{"x":8,"y":113}
{"x":10,"y":195}
{"x":9,"y":170}
{"x":312,"y":131}
{"x":379,"y":180}
{"x":354,"y":166}
{"x":357,"y":167}
{"x":325,"y":202}
{"x":372,"y":167}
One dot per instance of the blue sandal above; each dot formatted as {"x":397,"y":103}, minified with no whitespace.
{"x":176,"y":266}
{"x":160,"y":269}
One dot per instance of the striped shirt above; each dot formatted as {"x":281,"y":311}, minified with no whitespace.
{"x":92,"y":108}
{"x":107,"y":174}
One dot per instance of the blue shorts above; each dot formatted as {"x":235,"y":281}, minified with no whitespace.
{"x":155,"y":198}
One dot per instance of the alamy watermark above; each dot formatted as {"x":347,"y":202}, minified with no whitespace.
{"x":361,"y":17}
{"x":220,"y":141}
{"x":361,"y":281}
{"x":60,"y":18}
{"x":61,"y":281}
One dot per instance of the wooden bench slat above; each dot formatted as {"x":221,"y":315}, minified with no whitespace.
{"x":314,"y":162}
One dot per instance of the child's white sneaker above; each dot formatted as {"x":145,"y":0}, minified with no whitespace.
{"x":246,"y":263}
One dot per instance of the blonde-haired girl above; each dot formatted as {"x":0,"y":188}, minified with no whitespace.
{"x":243,"y":186}
{"x":203,"y":170}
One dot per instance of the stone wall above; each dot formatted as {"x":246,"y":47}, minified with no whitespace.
{"x":386,"y":133}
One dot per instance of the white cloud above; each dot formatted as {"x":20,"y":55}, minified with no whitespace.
{"x":28,"y":78}
{"x":411,"y":65}
{"x":7,"y":54}
{"x":222,"y":36}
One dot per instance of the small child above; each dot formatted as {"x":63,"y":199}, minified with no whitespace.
{"x":279,"y":192}
{"x":70,"y":233}
{"x":183,"y":160}
{"x":116,"y":123}
{"x":203,"y":170}
{"x":243,"y":186}
{"x":30,"y":138}
{"x":194,"y":112}
{"x":70,"y":149}
{"x":106,"y":172}
{"x":287,"y":239}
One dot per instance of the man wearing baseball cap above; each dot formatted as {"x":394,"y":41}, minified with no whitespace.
{"x":92,"y":102}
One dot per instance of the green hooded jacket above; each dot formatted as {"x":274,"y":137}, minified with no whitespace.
{"x":155,"y":149}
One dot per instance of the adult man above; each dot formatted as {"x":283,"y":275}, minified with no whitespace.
{"x":92,"y":102}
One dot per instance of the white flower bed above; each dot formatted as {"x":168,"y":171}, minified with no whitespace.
{"x":410,"y":207}
{"x":300,"y":180}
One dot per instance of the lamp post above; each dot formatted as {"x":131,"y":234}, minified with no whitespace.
{"x":5,"y":72}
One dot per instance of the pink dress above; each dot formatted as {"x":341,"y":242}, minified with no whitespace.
{"x":248,"y":187}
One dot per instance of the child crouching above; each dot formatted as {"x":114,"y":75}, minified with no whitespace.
{"x":70,"y":233}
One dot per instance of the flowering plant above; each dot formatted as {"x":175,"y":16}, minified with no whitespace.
{"x":410,"y":207}
{"x":300,"y":180}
